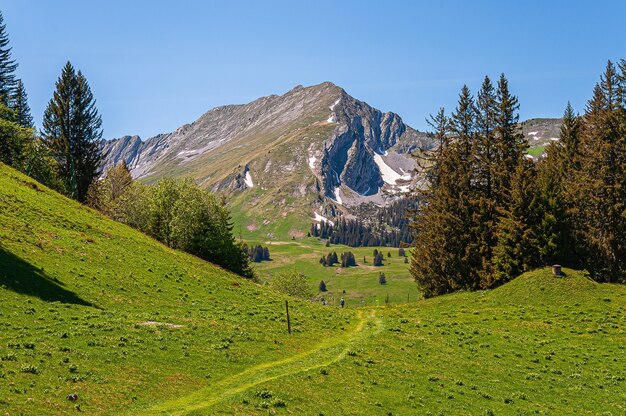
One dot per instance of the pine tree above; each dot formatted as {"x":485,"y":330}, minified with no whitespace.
{"x":14,"y":137}
{"x":511,"y":144}
{"x":71,"y":131}
{"x":322,"y":286}
{"x":20,"y":106}
{"x":597,"y":191}
{"x":7,"y":67}
{"x":556,"y":242}
{"x":382,"y":279}
{"x":443,"y":256}
{"x":517,"y":249}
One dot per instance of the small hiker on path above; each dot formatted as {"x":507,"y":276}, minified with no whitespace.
{"x":342,"y":301}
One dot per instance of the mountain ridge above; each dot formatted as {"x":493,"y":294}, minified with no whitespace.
{"x":311,"y":151}
{"x":314,"y":152}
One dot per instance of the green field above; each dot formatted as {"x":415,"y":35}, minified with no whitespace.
{"x":92,"y":307}
{"x":360,"y":283}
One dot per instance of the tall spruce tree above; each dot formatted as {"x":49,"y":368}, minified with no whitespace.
{"x":72,"y":132}
{"x":556,"y":242}
{"x":13,"y":137}
{"x":598,"y":191}
{"x":7,"y":67}
{"x":517,"y":248}
{"x":511,"y":144}
{"x":20,"y":106}
{"x":443,"y":256}
{"x":485,"y":169}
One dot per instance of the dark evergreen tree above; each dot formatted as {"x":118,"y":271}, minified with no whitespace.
{"x":322,"y":286}
{"x":20,"y":107}
{"x":14,"y":137}
{"x":401,"y":252}
{"x":382,"y":279}
{"x":597,"y":191}
{"x":511,"y":144}
{"x":7,"y":67}
{"x":72,"y":134}
{"x":348,"y":259}
{"x":517,"y":249}
{"x":444,"y":258}
{"x":556,"y":242}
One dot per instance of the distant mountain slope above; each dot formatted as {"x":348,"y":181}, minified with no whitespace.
{"x":311,"y":150}
{"x":312,"y":153}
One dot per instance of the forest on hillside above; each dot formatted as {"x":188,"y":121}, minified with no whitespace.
{"x":490,"y":213}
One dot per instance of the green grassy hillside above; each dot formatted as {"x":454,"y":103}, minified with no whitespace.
{"x":91,"y":307}
{"x":538,"y":345}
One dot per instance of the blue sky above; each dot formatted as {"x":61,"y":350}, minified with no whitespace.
{"x":155,"y":65}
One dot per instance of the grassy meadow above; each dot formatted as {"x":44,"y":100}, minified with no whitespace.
{"x":360,"y":283}
{"x":91,"y":307}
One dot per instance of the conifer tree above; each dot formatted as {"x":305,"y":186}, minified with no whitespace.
{"x":556,"y":242}
{"x":72,"y":134}
{"x":511,"y":144}
{"x":7,"y":67}
{"x":14,"y":137}
{"x":443,"y":254}
{"x":20,"y":106}
{"x":597,"y":189}
{"x":517,"y":247}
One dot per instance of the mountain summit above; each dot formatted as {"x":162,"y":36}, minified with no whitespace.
{"x":314,"y":150}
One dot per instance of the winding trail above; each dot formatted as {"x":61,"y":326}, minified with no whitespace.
{"x":322,"y":355}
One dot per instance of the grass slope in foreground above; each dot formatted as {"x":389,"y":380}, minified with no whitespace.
{"x":538,"y":345}
{"x":92,"y":307}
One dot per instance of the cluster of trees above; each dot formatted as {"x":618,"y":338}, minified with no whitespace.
{"x":329,"y":260}
{"x":389,"y":227}
{"x":490,"y":213}
{"x":356,"y":233}
{"x":347,"y":259}
{"x":174,"y":211}
{"x":66,"y":154}
{"x":257,"y":253}
{"x":379,"y":258}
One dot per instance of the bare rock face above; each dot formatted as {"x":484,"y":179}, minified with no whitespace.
{"x":316,"y":144}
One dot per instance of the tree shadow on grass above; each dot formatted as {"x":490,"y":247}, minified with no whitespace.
{"x":21,"y":277}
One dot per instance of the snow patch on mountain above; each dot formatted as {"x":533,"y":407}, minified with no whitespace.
{"x":389,"y":175}
{"x":337,"y":196}
{"x":248,"y":180}
{"x":320,"y":218}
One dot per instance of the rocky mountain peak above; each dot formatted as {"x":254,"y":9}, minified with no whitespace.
{"x":316,"y":147}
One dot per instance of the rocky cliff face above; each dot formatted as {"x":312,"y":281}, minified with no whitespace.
{"x":316,"y":143}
